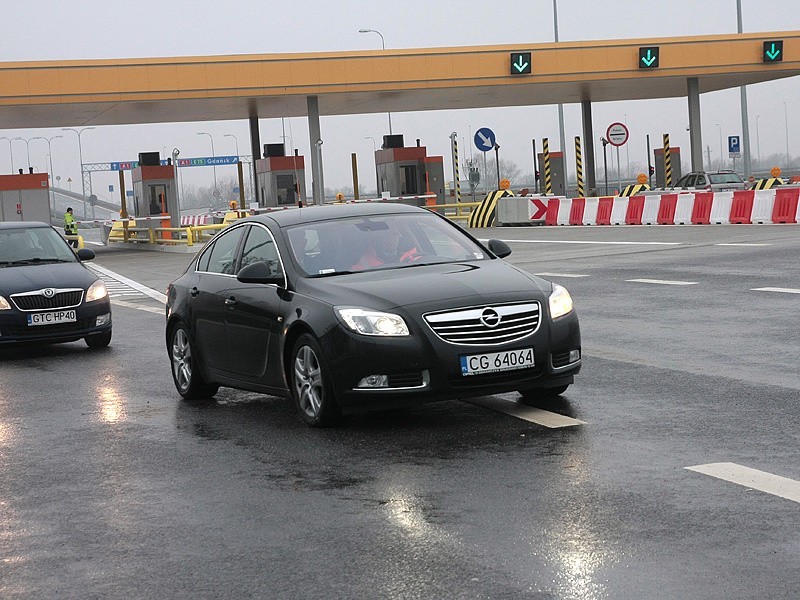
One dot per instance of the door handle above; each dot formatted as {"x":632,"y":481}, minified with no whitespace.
{"x":230,"y":301}
{"x":193,"y":292}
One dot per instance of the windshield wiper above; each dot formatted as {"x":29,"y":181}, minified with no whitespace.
{"x":35,"y":261}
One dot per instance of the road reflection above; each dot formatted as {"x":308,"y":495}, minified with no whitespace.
{"x":112,"y":407}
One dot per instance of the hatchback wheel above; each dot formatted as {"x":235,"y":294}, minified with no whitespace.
{"x":185,"y":371}
{"x":311,"y":386}
{"x":542,"y":393}
{"x":98,"y":340}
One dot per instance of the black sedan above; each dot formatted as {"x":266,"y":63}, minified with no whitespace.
{"x":46,"y":294}
{"x":365,"y":306}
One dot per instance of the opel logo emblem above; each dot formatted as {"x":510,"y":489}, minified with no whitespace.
{"x":49,"y":292}
{"x":490,"y":317}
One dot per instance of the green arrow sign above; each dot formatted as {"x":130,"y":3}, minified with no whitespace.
{"x":648,"y":57}
{"x":520,"y":63}
{"x":773,"y":51}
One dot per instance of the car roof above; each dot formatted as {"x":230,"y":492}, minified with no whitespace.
{"x":22,"y":224}
{"x":295,"y":216}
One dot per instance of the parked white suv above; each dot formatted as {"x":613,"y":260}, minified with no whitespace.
{"x":711,"y":181}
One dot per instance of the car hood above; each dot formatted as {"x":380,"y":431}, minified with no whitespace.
{"x":480,"y":281}
{"x":26,"y":278}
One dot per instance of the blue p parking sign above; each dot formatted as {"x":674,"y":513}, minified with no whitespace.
{"x":734,"y":145}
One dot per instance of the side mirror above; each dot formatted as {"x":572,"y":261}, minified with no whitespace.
{"x":499,"y":248}
{"x":85,"y":254}
{"x":259,"y":272}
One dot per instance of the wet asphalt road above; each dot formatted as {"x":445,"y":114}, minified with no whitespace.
{"x":111,"y":487}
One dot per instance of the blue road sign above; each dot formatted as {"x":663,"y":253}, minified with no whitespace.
{"x":734,"y":145}
{"x":484,"y":139}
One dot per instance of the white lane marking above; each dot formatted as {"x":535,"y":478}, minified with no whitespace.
{"x":774,"y":289}
{"x":662,"y":282}
{"x":592,"y":242}
{"x":526,"y":413}
{"x":130,"y":282}
{"x":572,"y":275}
{"x":752,"y":478}
{"x":747,"y":245}
{"x":153,"y":309}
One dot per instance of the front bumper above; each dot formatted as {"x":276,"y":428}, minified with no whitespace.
{"x":14,"y":328}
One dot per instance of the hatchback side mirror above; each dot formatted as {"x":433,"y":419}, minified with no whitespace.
{"x":85,"y":254}
{"x":259,"y":272}
{"x":499,"y":248}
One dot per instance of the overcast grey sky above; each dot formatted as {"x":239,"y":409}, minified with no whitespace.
{"x":54,"y":29}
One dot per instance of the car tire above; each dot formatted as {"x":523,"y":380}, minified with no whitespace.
{"x":98,"y":340}
{"x":542,"y":393}
{"x":185,"y":369}
{"x":311,"y":384}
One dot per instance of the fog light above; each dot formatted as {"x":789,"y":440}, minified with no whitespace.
{"x":103,"y":320}
{"x":374,"y":381}
{"x":574,"y":356}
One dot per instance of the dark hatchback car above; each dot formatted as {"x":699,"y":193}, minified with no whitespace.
{"x":46,"y":294}
{"x":365,"y":306}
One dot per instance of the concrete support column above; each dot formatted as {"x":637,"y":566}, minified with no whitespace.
{"x":255,"y":150}
{"x":695,"y":134}
{"x":588,"y":148}
{"x":316,"y":150}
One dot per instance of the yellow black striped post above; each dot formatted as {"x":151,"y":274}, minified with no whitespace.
{"x":548,"y":176}
{"x":484,"y":214}
{"x":579,"y":167}
{"x":667,"y":162}
{"x":455,"y":167}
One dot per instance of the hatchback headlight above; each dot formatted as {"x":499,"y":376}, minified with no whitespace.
{"x":560,"y":302}
{"x":4,"y":305}
{"x":373,"y":322}
{"x":97,"y":291}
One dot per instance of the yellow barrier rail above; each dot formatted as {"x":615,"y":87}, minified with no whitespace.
{"x":461,"y":210}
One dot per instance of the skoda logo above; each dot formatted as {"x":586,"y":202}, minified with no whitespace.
{"x":49,"y":292}
{"x":490,"y":317}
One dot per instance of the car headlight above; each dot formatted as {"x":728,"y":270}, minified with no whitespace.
{"x":4,"y":305}
{"x":97,"y":291}
{"x":560,"y":302}
{"x":373,"y":322}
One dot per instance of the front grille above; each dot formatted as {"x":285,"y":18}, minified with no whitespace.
{"x":30,"y":301}
{"x":486,"y":325}
{"x":403,"y":380}
{"x":516,"y":377}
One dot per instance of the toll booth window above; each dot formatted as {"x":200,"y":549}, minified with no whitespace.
{"x":409,"y":180}
{"x":222,"y":255}
{"x":286,"y":189}
{"x":260,"y":247}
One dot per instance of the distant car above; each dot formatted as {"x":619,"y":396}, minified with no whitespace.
{"x":365,"y":306}
{"x":708,"y":181}
{"x":46,"y":294}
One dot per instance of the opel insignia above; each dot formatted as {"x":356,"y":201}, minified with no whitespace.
{"x":365,"y":306}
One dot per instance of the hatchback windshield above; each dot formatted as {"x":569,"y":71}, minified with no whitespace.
{"x":378,"y":242}
{"x":33,"y":245}
{"x":724,"y":178}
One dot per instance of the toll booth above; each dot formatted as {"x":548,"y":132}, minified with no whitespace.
{"x":409,"y":171}
{"x":281,"y":179}
{"x":675,"y":162}
{"x":558,"y":174}
{"x":154,"y":192}
{"x":25,"y":197}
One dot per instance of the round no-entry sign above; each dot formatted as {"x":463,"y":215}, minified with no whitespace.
{"x":617,"y":134}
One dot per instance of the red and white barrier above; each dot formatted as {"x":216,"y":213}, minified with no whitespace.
{"x":192,"y":220}
{"x":779,"y":205}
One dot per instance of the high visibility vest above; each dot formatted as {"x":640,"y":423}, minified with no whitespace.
{"x":70,"y":227}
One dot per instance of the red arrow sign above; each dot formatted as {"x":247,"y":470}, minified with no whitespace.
{"x":541,"y":209}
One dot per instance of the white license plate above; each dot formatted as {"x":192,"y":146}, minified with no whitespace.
{"x":494,"y":362}
{"x":52,"y":318}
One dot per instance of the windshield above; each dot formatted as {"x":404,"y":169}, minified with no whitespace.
{"x":379,"y":242}
{"x":33,"y":245}
{"x":724,"y":178}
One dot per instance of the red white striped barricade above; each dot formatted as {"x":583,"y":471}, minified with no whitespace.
{"x":576,"y":211}
{"x":590,"y":209}
{"x":650,"y":210}
{"x":553,"y":208}
{"x":721,"y":208}
{"x":666,"y":209}
{"x":192,"y":220}
{"x":786,"y":206}
{"x":683,"y":209}
{"x":763,"y":203}
{"x":537,"y":208}
{"x":604,"y":207}
{"x":564,"y":209}
{"x":619,"y":209}
{"x":701,"y":208}
{"x":742,"y":206}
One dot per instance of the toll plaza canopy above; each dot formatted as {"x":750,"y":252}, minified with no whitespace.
{"x":156,"y":90}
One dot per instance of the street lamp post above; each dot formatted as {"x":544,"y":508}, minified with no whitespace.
{"x":235,"y":140}
{"x":10,"y":150}
{"x":78,"y":132}
{"x":561,"y":135}
{"x":50,"y":155}
{"x":721,"y":164}
{"x":28,"y":148}
{"x":383,"y":47}
{"x":216,"y":191}
{"x":786,"y":117}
